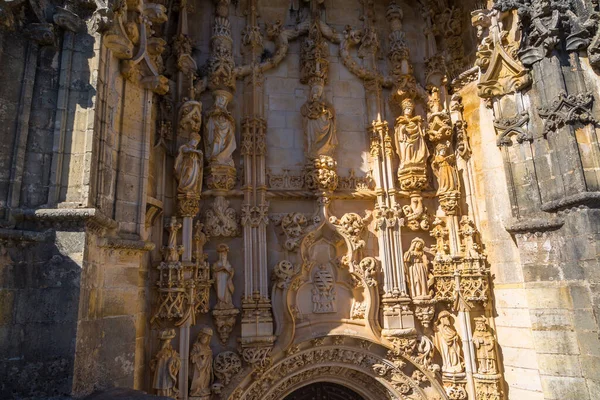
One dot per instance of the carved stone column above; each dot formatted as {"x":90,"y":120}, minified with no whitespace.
{"x":257,"y":320}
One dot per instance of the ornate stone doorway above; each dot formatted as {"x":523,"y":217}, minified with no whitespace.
{"x":324,"y":391}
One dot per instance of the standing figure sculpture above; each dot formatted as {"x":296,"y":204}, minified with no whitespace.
{"x":220,"y":131}
{"x":202,"y":361}
{"x":319,"y":124}
{"x":166,"y":366}
{"x":445,"y":170}
{"x":448,"y":344}
{"x":223,"y":276}
{"x":485,"y":345}
{"x":411,"y":148}
{"x":417,"y":265}
{"x":188,"y":167}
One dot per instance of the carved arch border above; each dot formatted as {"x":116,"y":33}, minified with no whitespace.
{"x":362,"y":270}
{"x":315,"y":361}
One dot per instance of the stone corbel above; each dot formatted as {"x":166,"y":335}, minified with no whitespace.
{"x":501,"y":72}
{"x":130,"y":39}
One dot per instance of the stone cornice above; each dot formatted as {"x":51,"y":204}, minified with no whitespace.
{"x":126,"y":245}
{"x":69,"y":218}
{"x":534,"y":225}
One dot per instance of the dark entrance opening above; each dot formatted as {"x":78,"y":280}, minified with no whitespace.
{"x":324,"y":391}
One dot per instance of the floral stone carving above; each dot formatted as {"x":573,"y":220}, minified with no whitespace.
{"x":221,"y":220}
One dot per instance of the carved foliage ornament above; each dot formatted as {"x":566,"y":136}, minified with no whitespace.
{"x":568,"y":109}
{"x":513,"y":126}
{"x":226,"y":365}
{"x":221,"y":220}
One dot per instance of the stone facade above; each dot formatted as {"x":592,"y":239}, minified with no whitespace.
{"x":260,"y":199}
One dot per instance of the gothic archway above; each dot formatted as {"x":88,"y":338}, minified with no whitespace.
{"x":324,"y":391}
{"x":370,"y":370}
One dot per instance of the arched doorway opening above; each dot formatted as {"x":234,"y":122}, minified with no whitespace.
{"x":324,"y":391}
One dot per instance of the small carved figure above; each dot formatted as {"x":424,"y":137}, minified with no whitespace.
{"x":202,"y":364}
{"x":417,"y":264}
{"x":166,"y":366}
{"x":410,"y":140}
{"x":220,"y":131}
{"x":448,"y":344}
{"x":172,"y":250}
{"x":319,"y":124}
{"x":485,"y":345}
{"x":445,"y":170}
{"x":189,"y":166}
{"x":223,"y":276}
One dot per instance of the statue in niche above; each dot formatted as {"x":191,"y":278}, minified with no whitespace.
{"x":223,"y":276}
{"x":445,"y":170}
{"x":166,"y":366}
{"x":323,"y":293}
{"x":190,"y":160}
{"x":485,"y":345}
{"x":202,"y":365}
{"x":410,"y":142}
{"x":417,"y":265}
{"x":220,"y":131}
{"x":319,"y":123}
{"x":448,"y":344}
{"x":188,"y":167}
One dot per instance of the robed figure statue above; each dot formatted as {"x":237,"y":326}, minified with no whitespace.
{"x":188,"y":167}
{"x":319,"y":124}
{"x":485,"y":345}
{"x":223,"y":276}
{"x":444,"y":167}
{"x":410,"y":140}
{"x":166,"y":366}
{"x":201,"y":358}
{"x":417,"y":265}
{"x":448,"y":343}
{"x":220,"y":131}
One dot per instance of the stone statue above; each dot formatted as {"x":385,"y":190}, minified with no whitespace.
{"x":410,"y":141}
{"x":223,"y":276}
{"x":201,"y":359}
{"x":189,"y":166}
{"x":417,"y":266}
{"x":485,"y":345}
{"x":166,"y":366}
{"x":445,"y":170}
{"x":448,"y":344}
{"x":220,"y":131}
{"x":319,"y":124}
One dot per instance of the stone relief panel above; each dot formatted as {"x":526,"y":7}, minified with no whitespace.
{"x":334,"y":195}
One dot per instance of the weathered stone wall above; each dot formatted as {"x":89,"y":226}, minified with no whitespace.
{"x":86,"y":187}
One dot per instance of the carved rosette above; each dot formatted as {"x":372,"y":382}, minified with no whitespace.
{"x":321,"y":174}
{"x":226,"y":365}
